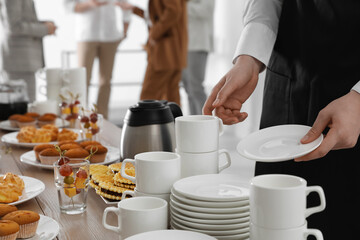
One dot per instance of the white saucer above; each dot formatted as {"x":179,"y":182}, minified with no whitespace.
{"x":208,"y":210}
{"x":170,"y":234}
{"x":47,"y":229}
{"x":33,"y":187}
{"x":199,"y":203}
{"x":5,"y":125}
{"x":278,"y":143}
{"x":29,"y":158}
{"x":213,"y":187}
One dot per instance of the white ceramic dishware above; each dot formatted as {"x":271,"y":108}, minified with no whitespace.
{"x":47,"y":229}
{"x":203,"y":163}
{"x":198,"y":133}
{"x":278,"y":143}
{"x":42,"y":107}
{"x":136,"y":193}
{"x":298,"y":233}
{"x":279,"y":201}
{"x":5,"y":125}
{"x":170,"y":234}
{"x":138,"y":215}
{"x":213,"y":187}
{"x":155,"y":172}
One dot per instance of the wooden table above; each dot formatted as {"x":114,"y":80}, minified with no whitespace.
{"x":84,"y":226}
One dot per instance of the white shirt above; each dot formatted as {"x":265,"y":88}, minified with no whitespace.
{"x":261,"y":21}
{"x":99,"y":24}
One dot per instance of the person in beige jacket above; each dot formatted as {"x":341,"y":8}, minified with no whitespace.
{"x":21,"y":42}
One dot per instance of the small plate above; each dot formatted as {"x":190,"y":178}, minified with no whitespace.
{"x":213,"y":187}
{"x":47,"y":229}
{"x":278,"y":143}
{"x":209,"y":210}
{"x":29,"y":158}
{"x":170,"y":234}
{"x":114,"y":202}
{"x":5,"y":125}
{"x":11,"y":139}
{"x":198,"y":203}
{"x":209,"y":215}
{"x":33,"y":187}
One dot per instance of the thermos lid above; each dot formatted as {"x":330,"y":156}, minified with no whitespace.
{"x":149,"y":112}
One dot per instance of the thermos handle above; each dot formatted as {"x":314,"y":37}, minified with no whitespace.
{"x":175,"y":109}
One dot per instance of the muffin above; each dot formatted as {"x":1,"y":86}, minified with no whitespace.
{"x":48,"y":156}
{"x":24,"y":121}
{"x":66,"y":142}
{"x":32,"y":114}
{"x":13,"y":120}
{"x":6,"y":208}
{"x":69,"y":146}
{"x":66,"y":135}
{"x":37,"y":149}
{"x":46,"y":119}
{"x":76,"y":154}
{"x":27,"y":220}
{"x":99,"y":153}
{"x":86,"y":143}
{"x":50,"y":114}
{"x":9,"y":230}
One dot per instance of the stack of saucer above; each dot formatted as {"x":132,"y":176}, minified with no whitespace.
{"x":213,"y":204}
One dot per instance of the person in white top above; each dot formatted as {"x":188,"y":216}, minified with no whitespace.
{"x":311,"y":53}
{"x":200,"y":30}
{"x":98,"y":35}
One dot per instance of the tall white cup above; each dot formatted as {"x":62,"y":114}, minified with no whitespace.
{"x":203,"y":163}
{"x":298,"y":233}
{"x":137,"y":215}
{"x":155,"y":172}
{"x":279,"y":201}
{"x":198,"y":133}
{"x":42,"y":107}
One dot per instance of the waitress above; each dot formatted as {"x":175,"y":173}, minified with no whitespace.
{"x":311,"y":51}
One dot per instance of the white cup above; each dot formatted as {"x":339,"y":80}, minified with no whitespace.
{"x":203,"y":163}
{"x":74,"y":80}
{"x":279,"y":201}
{"x":298,"y":233}
{"x":155,"y":172}
{"x":136,"y":193}
{"x":42,"y":107}
{"x":198,"y":133}
{"x":137,"y":215}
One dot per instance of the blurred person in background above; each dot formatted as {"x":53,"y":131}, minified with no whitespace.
{"x":166,"y":48}
{"x":21,"y":44}
{"x":98,"y":34}
{"x":200,"y":30}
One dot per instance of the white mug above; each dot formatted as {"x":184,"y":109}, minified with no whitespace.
{"x":136,"y":193}
{"x":74,"y":80}
{"x":49,"y":83}
{"x":198,"y":133}
{"x":203,"y":163}
{"x":279,"y":201}
{"x":298,"y":233}
{"x":155,"y":172}
{"x":42,"y":107}
{"x":137,"y":215}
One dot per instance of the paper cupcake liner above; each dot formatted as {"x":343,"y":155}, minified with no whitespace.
{"x":9,"y":237}
{"x":28,"y":230}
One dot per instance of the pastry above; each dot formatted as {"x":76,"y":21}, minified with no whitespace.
{"x":32,"y":114}
{"x":14,"y":181}
{"x":48,"y":156}
{"x":76,"y":153}
{"x":13,"y":120}
{"x":99,"y":153}
{"x":123,"y":182}
{"x":37,"y":149}
{"x":66,"y":134}
{"x":53,"y":130}
{"x":110,"y":191}
{"x":68,"y":146}
{"x":23,"y":121}
{"x":98,"y":178}
{"x":9,"y":230}
{"x":116,"y":167}
{"x":27,"y":220}
{"x":98,"y":169}
{"x":46,"y":119}
{"x":6,"y":208}
{"x":41,"y":136}
{"x":26,"y":134}
{"x":86,"y":143}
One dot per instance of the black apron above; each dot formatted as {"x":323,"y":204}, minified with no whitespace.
{"x":316,"y":59}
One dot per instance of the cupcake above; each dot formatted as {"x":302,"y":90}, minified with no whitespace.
{"x":46,"y":119}
{"x":37,"y":149}
{"x":76,"y":154}
{"x":48,"y":156}
{"x":32,"y":114}
{"x":6,"y":208}
{"x":69,"y":146}
{"x":66,"y":142}
{"x":24,"y":121}
{"x":99,"y":153}
{"x":13,"y":120}
{"x":27,"y":220}
{"x":9,"y":230}
{"x":86,"y":143}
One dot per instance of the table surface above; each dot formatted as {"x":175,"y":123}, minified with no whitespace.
{"x":82,"y":226}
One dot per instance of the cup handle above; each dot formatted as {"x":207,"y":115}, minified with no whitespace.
{"x":40,"y":73}
{"x":123,"y":174}
{"x":228,"y":159}
{"x":314,"y":232}
{"x":322,"y":205}
{"x":107,"y":226}
{"x":221,"y":126}
{"x":127,"y":192}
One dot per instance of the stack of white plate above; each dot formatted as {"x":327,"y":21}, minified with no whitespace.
{"x":213,"y":204}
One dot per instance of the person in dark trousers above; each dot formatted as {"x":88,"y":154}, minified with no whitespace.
{"x":311,"y":52}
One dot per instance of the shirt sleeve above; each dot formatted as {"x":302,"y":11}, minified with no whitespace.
{"x":261,"y":20}
{"x":357,"y":87}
